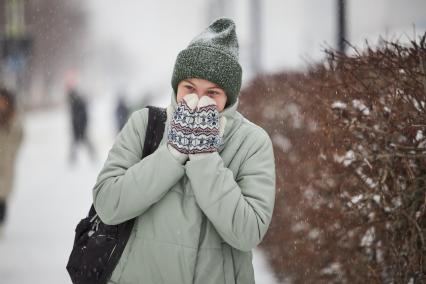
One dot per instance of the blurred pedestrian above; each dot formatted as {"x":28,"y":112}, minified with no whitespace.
{"x":121,"y":112}
{"x":204,"y":199}
{"x":79,"y":123}
{"x":11,"y":133}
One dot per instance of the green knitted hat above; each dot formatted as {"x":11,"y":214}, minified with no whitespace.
{"x":212,"y":56}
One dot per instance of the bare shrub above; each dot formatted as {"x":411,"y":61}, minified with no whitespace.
{"x":350,"y":145}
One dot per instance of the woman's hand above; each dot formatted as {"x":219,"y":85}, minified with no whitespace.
{"x":180,"y":128}
{"x":208,"y":128}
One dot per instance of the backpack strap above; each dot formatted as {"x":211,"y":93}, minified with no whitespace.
{"x":155,"y":129}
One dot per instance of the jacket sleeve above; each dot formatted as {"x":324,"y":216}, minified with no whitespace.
{"x":239,"y":207}
{"x":127,"y":185}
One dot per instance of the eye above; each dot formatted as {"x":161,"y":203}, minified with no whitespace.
{"x":189,"y":87}
{"x":212,"y":93}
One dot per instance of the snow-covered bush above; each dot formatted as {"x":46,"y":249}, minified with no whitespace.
{"x":350,"y":145}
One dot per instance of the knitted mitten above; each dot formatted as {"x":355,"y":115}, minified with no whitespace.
{"x":181,"y":124}
{"x":205,"y":133}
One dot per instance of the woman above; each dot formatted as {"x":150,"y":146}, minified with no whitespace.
{"x":204,"y":199}
{"x":10,"y":140}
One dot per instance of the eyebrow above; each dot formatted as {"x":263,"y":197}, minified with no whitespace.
{"x":214,"y":87}
{"x":189,"y":82}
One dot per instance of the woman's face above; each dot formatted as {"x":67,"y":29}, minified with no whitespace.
{"x":202,"y":88}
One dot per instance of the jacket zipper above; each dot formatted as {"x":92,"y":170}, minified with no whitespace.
{"x":110,"y":255}
{"x":200,"y":238}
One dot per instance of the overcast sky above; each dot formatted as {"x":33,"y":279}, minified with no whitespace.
{"x":138,"y":40}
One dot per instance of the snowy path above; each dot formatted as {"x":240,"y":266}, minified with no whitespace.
{"x":51,"y":196}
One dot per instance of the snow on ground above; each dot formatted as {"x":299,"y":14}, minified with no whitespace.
{"x":51,"y":196}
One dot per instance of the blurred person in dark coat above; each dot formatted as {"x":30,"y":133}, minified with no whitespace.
{"x":79,"y":123}
{"x":11,"y":134}
{"x":121,"y":112}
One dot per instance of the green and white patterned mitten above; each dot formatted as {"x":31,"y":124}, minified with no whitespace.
{"x":181,"y":124}
{"x":205,"y":133}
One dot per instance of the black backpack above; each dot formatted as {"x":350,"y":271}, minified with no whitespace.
{"x":98,"y":247}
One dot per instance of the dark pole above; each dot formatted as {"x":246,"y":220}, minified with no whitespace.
{"x":341,"y":26}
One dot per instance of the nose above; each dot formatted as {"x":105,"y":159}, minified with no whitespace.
{"x":200,"y":95}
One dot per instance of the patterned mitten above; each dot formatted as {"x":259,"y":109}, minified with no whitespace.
{"x":181,"y":124}
{"x":205,"y":133}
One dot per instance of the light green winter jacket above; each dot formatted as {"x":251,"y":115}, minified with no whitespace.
{"x":197,"y":222}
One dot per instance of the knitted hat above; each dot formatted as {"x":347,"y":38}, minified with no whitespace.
{"x":212,"y":56}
